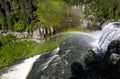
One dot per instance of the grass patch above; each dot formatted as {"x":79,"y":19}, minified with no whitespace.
{"x":12,"y":52}
{"x":12,"y":49}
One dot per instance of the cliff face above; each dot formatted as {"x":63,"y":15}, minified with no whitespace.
{"x":112,"y":60}
{"x":112,"y":56}
{"x":107,"y":67}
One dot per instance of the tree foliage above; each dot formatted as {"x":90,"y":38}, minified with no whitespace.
{"x":14,"y":11}
{"x":102,"y":10}
{"x":51,"y":12}
{"x":20,"y":15}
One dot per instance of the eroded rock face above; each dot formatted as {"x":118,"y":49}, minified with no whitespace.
{"x":112,"y":55}
{"x":114,"y":58}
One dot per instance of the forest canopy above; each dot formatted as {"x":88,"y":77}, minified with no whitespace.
{"x":102,"y":10}
{"x":22,"y":15}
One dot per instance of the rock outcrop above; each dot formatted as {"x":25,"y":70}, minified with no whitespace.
{"x":107,"y":66}
{"x":112,"y":61}
{"x":112,"y":55}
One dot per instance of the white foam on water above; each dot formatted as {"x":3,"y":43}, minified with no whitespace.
{"x":110,"y":32}
{"x":45,"y":65}
{"x":55,"y":51}
{"x":20,"y":71}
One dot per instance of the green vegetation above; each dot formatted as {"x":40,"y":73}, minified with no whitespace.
{"x":13,"y":49}
{"x":101,"y":10}
{"x":50,"y":45}
{"x":27,"y":15}
{"x":22,"y":15}
{"x":51,"y":12}
{"x":104,"y":10}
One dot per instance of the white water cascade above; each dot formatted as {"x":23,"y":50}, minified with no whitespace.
{"x":110,"y":32}
{"x":19,"y":71}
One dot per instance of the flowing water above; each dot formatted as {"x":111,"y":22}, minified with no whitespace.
{"x":110,"y":32}
{"x":67,"y":61}
{"x":18,"y":71}
{"x":57,"y":65}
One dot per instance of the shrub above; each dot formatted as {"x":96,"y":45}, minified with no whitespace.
{"x":7,"y":39}
{"x":19,"y":26}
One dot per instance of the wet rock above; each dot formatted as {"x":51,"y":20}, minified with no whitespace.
{"x":114,"y":58}
{"x":112,"y":55}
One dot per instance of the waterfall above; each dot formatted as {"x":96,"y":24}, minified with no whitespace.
{"x":62,"y":63}
{"x":19,"y":71}
{"x":110,"y":32}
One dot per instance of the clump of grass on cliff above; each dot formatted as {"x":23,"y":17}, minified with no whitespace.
{"x":13,"y":49}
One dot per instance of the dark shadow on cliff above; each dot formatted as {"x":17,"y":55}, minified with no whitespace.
{"x":99,"y":68}
{"x":77,"y":71}
{"x":96,"y":68}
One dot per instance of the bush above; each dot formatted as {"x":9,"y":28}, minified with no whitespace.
{"x":7,"y":39}
{"x":51,"y":12}
{"x":19,"y":26}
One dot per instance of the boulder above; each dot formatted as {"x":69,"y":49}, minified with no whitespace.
{"x":114,"y":58}
{"x":112,"y":55}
